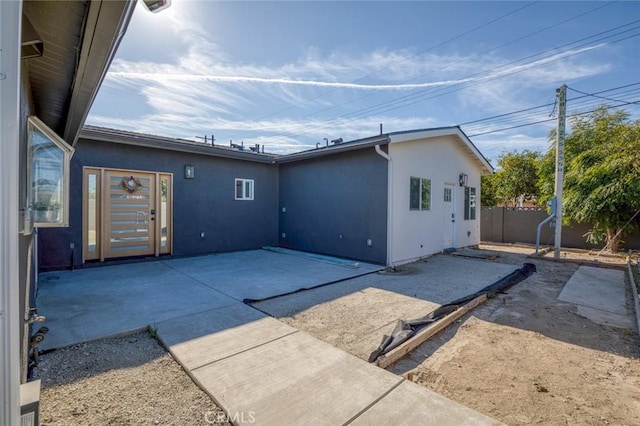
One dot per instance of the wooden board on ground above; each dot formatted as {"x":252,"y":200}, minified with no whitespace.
{"x":477,"y":254}
{"x":426,"y":333}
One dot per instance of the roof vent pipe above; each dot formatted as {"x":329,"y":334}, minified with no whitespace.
{"x":326,"y":141}
{"x":336,"y":141}
{"x":380,"y":128}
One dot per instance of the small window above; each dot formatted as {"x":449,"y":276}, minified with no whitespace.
{"x":469,"y":203}
{"x":244,"y":189}
{"x":48,"y":175}
{"x":447,"y":195}
{"x":419,"y":194}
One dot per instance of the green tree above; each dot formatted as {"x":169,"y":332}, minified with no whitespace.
{"x":488,"y":190}
{"x":602,"y":174}
{"x":516,"y":178}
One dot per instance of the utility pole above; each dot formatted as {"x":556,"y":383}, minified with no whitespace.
{"x":561,"y":95}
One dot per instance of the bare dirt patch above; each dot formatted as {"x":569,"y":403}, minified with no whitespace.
{"x":523,"y":358}
{"x":128,"y":380}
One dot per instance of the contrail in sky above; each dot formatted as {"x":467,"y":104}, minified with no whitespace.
{"x":116,"y":75}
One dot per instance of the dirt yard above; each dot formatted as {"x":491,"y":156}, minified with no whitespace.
{"x":128,"y":380}
{"x":523,"y":358}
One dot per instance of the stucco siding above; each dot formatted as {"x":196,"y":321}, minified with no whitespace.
{"x":335,"y":204}
{"x":417,"y":233}
{"x":205,"y":204}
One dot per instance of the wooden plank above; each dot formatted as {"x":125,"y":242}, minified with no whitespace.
{"x":426,"y":333}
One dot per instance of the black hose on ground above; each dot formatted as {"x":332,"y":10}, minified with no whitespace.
{"x":404,"y":330}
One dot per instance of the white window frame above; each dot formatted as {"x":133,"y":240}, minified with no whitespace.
{"x":470,"y":198}
{"x":247,"y":191}
{"x":421,"y":201}
{"x":59,"y":200}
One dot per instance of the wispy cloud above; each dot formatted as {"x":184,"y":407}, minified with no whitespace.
{"x":279,"y":135}
{"x":191,"y":77}
{"x":314,"y":83}
{"x":203,"y":88}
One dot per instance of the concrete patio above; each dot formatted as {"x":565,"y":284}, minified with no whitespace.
{"x":93,"y":303}
{"x":251,"y":364}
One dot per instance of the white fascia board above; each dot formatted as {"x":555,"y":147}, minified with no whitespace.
{"x":10,"y":13}
{"x":106,"y":24}
{"x":400,"y":137}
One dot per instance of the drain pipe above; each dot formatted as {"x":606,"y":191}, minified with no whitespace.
{"x":387,"y":157}
{"x":553,"y":204}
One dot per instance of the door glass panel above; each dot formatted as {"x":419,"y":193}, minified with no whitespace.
{"x":92,"y":213}
{"x":164,"y":188}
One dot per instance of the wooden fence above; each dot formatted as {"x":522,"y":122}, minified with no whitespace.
{"x":518,"y":225}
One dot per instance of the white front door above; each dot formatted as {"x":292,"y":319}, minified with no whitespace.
{"x":449,"y":216}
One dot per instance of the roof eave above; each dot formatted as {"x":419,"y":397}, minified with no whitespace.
{"x":334,"y":149}
{"x":150,"y":141}
{"x":106,"y":23}
{"x":485,"y":167}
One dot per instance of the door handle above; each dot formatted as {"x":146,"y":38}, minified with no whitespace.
{"x":153,"y":211}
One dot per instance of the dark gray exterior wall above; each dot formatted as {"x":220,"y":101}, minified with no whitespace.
{"x":203,"y":204}
{"x":334,"y":204}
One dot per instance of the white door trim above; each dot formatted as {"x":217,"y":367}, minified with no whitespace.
{"x":453,"y":217}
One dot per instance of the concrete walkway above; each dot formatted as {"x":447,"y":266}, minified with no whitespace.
{"x":600,"y":295}
{"x":256,"y":367}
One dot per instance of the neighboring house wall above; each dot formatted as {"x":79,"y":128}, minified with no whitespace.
{"x":203,"y":204}
{"x":417,"y":233}
{"x":334,"y":204}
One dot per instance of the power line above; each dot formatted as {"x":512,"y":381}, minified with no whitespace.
{"x":599,"y":97}
{"x":512,"y":127}
{"x":622,"y":103}
{"x":613,"y":89}
{"x":476,"y":78}
{"x":486,"y":24}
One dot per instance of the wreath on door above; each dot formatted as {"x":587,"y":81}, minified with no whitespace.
{"x":130,"y":184}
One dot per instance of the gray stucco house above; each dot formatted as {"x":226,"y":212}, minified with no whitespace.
{"x":389,"y":199}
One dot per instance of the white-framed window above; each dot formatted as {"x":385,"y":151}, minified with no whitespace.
{"x":244,"y":189}
{"x":469,"y":203}
{"x":419,"y":194}
{"x":48,"y":175}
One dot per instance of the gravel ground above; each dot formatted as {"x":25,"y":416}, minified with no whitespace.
{"x":128,"y":380}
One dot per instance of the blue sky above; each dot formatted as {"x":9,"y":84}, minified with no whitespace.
{"x":289,"y":74}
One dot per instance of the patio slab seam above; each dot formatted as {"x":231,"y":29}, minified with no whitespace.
{"x":206,"y":363}
{"x":289,"y":293}
{"x":191,"y":277}
{"x":376,"y":401}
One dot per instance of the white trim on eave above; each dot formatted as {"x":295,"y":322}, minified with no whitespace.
{"x":106,"y":24}
{"x":456,"y":132}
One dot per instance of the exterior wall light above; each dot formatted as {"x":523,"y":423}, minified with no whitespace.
{"x":156,"y":6}
{"x":189,"y":172}
{"x":463,"y":179}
